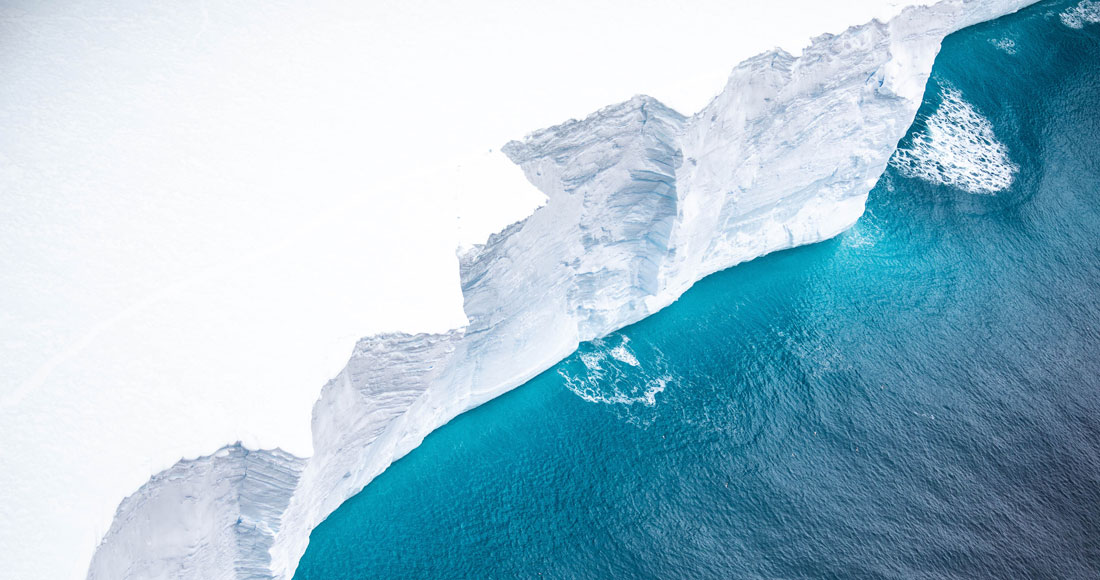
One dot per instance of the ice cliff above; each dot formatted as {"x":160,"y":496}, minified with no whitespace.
{"x":229,"y":503}
{"x":642,"y":202}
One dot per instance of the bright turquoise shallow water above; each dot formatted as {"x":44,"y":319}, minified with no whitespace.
{"x":919,"y":398}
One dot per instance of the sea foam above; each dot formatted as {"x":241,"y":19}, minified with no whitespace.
{"x":957,"y":148}
{"x":1006,"y":44}
{"x":599,"y":380}
{"x":1087,"y":12}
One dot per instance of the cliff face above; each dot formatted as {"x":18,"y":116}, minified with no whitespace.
{"x":643,"y":202}
{"x":212,"y":517}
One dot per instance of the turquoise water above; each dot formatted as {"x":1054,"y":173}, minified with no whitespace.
{"x":918,"y":398}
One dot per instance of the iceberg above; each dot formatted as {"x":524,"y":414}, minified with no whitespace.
{"x":642,"y":202}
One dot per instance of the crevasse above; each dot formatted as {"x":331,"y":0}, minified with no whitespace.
{"x":642,"y":203}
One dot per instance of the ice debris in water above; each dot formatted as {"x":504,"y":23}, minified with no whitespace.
{"x":957,"y":148}
{"x":1087,"y":12}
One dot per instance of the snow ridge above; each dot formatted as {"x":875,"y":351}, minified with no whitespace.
{"x":642,"y":202}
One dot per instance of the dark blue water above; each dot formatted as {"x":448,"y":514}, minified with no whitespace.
{"x":919,"y":398}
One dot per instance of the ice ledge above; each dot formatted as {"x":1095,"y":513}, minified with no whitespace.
{"x":643,"y":202}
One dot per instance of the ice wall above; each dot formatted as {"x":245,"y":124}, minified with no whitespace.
{"x":211,"y":517}
{"x":642,"y":202}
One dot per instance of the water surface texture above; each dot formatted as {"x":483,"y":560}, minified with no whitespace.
{"x":918,"y":398}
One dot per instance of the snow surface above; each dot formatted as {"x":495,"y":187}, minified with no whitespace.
{"x":203,"y":202}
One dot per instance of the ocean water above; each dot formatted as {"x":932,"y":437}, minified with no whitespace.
{"x":917,"y":398}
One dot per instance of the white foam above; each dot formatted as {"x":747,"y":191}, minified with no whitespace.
{"x":622,"y":353}
{"x":1005,"y":44}
{"x":611,"y":384}
{"x":592,"y":392}
{"x":592,"y":361}
{"x":957,"y":148}
{"x":1086,"y":12}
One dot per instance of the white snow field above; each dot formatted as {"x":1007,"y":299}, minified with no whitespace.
{"x":206,"y":204}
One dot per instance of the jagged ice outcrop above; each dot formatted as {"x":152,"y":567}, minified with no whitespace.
{"x":642,"y":203}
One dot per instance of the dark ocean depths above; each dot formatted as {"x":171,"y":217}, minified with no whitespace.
{"x":918,"y":398}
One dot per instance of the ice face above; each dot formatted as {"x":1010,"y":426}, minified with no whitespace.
{"x":230,"y":502}
{"x":641,"y":203}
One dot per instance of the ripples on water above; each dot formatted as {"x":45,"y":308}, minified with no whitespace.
{"x":917,"y":398}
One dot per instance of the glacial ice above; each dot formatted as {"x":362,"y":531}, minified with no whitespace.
{"x":231,"y":502}
{"x":642,"y":202}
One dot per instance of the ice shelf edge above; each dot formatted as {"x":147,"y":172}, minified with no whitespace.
{"x":643,"y":202}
